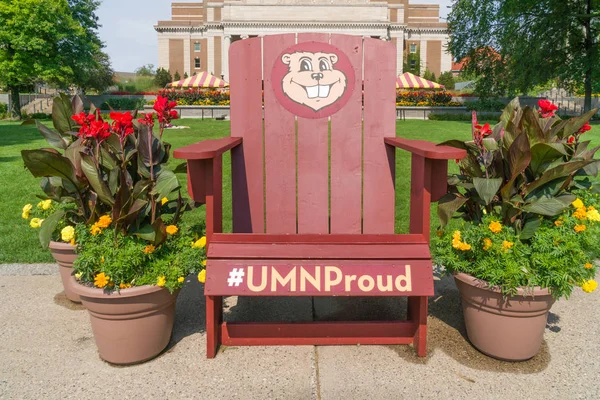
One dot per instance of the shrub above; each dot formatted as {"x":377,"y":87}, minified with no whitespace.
{"x":3,"y":110}
{"x":423,"y":98}
{"x":123,"y":104}
{"x":162,"y":78}
{"x":446,"y":79}
{"x":485,"y":105}
{"x":461,"y":117}
{"x":198,"y":97}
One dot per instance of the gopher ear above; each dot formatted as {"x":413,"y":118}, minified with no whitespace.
{"x":334,"y":58}
{"x":286,"y":59}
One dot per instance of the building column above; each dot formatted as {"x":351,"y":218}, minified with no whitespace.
{"x":225,"y":56}
{"x":163,"y":52}
{"x":423,"y":51}
{"x":210,"y":55}
{"x":400,"y":55}
{"x":187,"y":44}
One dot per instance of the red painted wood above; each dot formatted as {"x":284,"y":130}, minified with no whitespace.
{"x":214,"y":197}
{"x":280,"y":146}
{"x":439,"y":180}
{"x":236,"y":277}
{"x":315,"y":238}
{"x":319,"y":251}
{"x":420,"y":196}
{"x":427,"y":149}
{"x":313,"y":165}
{"x":379,"y":123}
{"x":245,"y":78}
{"x":417,"y":313}
{"x":207,"y":148}
{"x":317,"y":333}
{"x":346,"y":147}
{"x":214,"y":318}
{"x":197,"y":179}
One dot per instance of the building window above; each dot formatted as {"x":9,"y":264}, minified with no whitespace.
{"x":197,"y":47}
{"x":413,"y":48}
{"x":197,"y":62}
{"x":413,"y":64}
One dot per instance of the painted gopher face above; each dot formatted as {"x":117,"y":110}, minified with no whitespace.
{"x":312,"y":79}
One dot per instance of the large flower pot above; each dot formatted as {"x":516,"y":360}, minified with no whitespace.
{"x":131,"y":326}
{"x":65,"y":255}
{"x":510,"y":328}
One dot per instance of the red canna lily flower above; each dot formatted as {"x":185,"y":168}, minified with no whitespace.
{"x":547,"y":108}
{"x":571,"y":140}
{"x":122,"y":123}
{"x":586,"y":127}
{"x":147,"y":120}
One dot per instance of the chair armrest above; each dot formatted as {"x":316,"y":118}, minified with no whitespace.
{"x":207,"y":149}
{"x":427,"y":149}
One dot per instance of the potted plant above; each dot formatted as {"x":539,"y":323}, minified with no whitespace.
{"x":525,"y":225}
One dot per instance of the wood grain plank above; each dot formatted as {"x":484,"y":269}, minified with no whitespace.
{"x":245,"y":76}
{"x":313,"y":165}
{"x":280,"y":146}
{"x":379,"y":122}
{"x":346,"y":147}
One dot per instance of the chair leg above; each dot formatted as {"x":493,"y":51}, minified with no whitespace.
{"x":417,"y":312}
{"x":214,"y":317}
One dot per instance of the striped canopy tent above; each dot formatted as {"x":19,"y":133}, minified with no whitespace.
{"x":410,"y":81}
{"x":201,"y":80}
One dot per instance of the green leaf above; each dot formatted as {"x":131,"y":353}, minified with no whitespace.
{"x":53,"y":138}
{"x":549,"y":206}
{"x":519,"y":156}
{"x":509,"y":111}
{"x":530,"y":228}
{"x":543,"y":154}
{"x":93,"y":176}
{"x":62,"y":111}
{"x":447,"y":206}
{"x":76,"y":105}
{"x":181,"y":168}
{"x":49,"y":163}
{"x":574,"y":124}
{"x":145,"y":232}
{"x":560,"y":171}
{"x":487,"y":188}
{"x":48,"y":227}
{"x":459,"y":144}
{"x":530,"y":123}
{"x":490,"y":144}
{"x":166,"y":183}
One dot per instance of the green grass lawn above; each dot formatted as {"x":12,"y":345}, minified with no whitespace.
{"x":19,"y":243}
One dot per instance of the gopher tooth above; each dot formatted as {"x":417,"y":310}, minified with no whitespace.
{"x":323,"y":90}
{"x":312,"y":91}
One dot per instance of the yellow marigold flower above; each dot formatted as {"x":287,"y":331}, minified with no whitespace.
{"x":202,"y":276}
{"x":95,"y":229}
{"x":558,"y":222}
{"x":180,"y":279}
{"x":102,"y":259}
{"x":44,"y":204}
{"x":456,"y":235}
{"x":200,"y":243}
{"x":161,"y":281}
{"x":495,"y":226}
{"x":593,"y":215}
{"x":579,"y":228}
{"x":72,"y":242}
{"x":104,"y":221}
{"x":439,"y":233}
{"x":67,"y":234}
{"x":577,"y":203}
{"x":172,"y":229}
{"x":589,"y":286}
{"x":507,"y":245}
{"x":101,"y":280}
{"x":27,"y":208}
{"x":36,"y":223}
{"x":464,"y":246}
{"x":580,"y":213}
{"x":163,"y":201}
{"x":124,"y":285}
{"x":25,"y":215}
{"x":78,"y":275}
{"x":203,"y":262}
{"x":588,"y":266}
{"x":487,"y":244}
{"x":591,"y":208}
{"x":149,"y":249}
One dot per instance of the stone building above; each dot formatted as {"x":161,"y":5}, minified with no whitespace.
{"x":198,"y":36}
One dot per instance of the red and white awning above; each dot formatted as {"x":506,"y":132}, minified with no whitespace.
{"x":201,"y":80}
{"x":411,"y":81}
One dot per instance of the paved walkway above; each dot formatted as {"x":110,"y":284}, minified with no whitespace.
{"x":47,"y":351}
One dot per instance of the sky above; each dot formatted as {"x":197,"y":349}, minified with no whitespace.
{"x":128,"y":33}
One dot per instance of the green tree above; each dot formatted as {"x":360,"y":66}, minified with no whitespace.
{"x":98,"y":75}
{"x":177,"y":77}
{"x":162,"y":77}
{"x":145,"y":70}
{"x":447,"y":80}
{"x":185,"y":75}
{"x":429,"y":75}
{"x":514,"y":45}
{"x":412,"y":63}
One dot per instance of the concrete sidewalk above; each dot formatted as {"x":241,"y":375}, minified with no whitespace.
{"x":47,"y":351}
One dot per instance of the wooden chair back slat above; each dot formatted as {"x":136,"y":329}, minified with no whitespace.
{"x":346,"y":147}
{"x":280,"y":146}
{"x":313,"y":165}
{"x":324,"y":175}
{"x":379,"y":122}
{"x":247,"y":164}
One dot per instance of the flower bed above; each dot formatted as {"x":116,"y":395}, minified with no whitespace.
{"x":196,"y":97}
{"x":425,"y":99}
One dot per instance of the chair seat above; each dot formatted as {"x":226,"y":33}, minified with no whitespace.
{"x":318,"y":247}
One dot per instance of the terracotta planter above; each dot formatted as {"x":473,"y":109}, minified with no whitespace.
{"x":65,"y":255}
{"x":506,"y":328}
{"x":131,"y":326}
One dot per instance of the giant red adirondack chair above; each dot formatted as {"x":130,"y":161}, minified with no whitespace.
{"x":314,"y":192}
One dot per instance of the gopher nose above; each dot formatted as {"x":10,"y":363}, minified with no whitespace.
{"x":317,"y":76}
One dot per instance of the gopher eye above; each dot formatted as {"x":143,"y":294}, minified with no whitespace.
{"x":324,"y":65}
{"x":305,"y":65}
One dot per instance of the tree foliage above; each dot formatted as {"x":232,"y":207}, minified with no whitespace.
{"x":514,"y":45}
{"x":162,"y":77}
{"x":177,"y":77}
{"x":412,"y":63}
{"x":145,"y":70}
{"x":447,"y":80}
